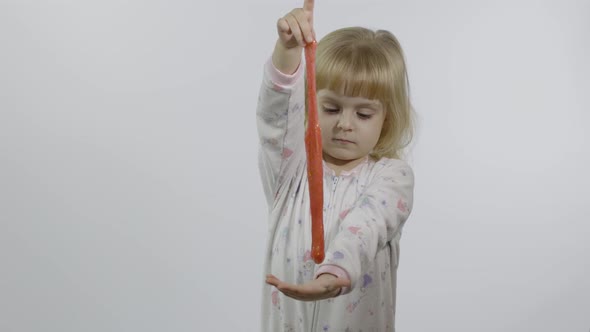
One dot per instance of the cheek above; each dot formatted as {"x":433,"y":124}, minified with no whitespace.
{"x":325,"y":123}
{"x":373,"y":133}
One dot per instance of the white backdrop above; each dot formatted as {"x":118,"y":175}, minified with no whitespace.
{"x":129,"y":189}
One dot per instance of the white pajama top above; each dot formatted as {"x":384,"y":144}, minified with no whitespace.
{"x":364,"y":212}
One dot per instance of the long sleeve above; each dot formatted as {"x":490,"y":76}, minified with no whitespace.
{"x":280,"y":122}
{"x":375,"y":218}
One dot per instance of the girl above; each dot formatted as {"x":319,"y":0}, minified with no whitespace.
{"x":365,"y":119}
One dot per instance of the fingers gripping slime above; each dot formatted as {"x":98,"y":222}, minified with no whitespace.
{"x":313,"y":148}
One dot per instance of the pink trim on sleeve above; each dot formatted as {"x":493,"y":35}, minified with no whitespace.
{"x":281,"y":79}
{"x":338,"y":272}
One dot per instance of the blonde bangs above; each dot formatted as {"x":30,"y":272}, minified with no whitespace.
{"x":354,"y":71}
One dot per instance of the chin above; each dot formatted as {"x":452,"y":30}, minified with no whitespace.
{"x":343,"y":157}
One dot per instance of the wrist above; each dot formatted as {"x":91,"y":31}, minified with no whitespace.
{"x":336,"y":271}
{"x":286,"y":60}
{"x":326,"y":277}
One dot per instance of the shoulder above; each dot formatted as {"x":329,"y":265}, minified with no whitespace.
{"x":396,"y":168}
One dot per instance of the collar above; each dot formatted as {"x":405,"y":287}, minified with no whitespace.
{"x":355,"y":170}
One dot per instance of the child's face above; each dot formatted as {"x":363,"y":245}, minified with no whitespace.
{"x":350,"y":126}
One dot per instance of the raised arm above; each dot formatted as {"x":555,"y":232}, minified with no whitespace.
{"x":281,"y":102}
{"x":295,"y":30}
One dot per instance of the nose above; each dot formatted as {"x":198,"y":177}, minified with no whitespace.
{"x":344,"y":121}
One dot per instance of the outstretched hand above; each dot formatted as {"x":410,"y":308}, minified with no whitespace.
{"x":323,"y":287}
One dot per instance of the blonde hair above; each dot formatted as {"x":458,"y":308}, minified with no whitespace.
{"x":359,"y":62}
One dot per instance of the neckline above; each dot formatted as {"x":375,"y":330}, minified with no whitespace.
{"x":356,"y":169}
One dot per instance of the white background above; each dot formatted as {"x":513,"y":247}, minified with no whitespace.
{"x":129,"y":191}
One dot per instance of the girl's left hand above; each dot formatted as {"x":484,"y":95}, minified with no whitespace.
{"x":323,"y":287}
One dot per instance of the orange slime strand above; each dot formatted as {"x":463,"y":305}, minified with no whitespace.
{"x":313,"y":148}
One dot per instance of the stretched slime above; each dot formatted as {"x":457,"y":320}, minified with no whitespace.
{"x":313,"y":149}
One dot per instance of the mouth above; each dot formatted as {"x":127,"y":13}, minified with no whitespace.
{"x":342,"y":141}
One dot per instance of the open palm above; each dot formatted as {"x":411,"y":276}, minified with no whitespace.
{"x":323,"y":287}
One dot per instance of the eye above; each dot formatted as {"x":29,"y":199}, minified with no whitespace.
{"x":330,"y":110}
{"x":364,"y":116}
